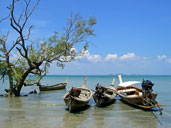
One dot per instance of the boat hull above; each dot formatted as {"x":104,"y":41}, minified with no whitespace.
{"x":106,"y":98}
{"x":76,"y":103}
{"x":53,"y":87}
{"x":103,"y":101}
{"x":137,"y":101}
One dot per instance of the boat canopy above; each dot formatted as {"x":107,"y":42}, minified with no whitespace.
{"x":125,"y":84}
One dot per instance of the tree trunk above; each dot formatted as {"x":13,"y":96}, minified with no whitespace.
{"x":9,"y":72}
{"x":17,"y":89}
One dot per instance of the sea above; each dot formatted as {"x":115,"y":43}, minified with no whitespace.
{"x":48,"y":110}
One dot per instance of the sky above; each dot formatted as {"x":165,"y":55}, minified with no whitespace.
{"x":132,"y":36}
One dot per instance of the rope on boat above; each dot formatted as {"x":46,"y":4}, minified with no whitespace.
{"x":155,"y":102}
{"x":148,"y":100}
{"x":147,"y":92}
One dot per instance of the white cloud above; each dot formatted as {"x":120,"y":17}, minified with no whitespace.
{"x":127,"y":56}
{"x":94,"y":58}
{"x":111,"y":57}
{"x":164,"y":58}
{"x":91,"y":58}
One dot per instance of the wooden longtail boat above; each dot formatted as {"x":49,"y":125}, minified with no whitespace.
{"x":136,"y":96}
{"x":53,"y":87}
{"x":104,"y":95}
{"x":78,"y":97}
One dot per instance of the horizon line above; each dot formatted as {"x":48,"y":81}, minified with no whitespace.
{"x":107,"y":75}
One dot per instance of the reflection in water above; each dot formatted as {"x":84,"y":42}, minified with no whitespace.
{"x":32,"y":111}
{"x":101,"y":115}
{"x":135,"y":117}
{"x":72,"y":120}
{"x":47,"y":110}
{"x":11,"y":112}
{"x":39,"y":111}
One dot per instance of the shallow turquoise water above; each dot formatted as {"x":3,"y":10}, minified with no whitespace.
{"x":47,"y":109}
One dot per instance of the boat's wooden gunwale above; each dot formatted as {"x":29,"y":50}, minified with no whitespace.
{"x":106,"y":98}
{"x":53,"y":87}
{"x":74,"y":102}
{"x":137,"y":100}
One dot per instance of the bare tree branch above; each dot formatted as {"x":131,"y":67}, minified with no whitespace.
{"x":13,"y":19}
{"x":4,"y":18}
{"x":29,"y":32}
{"x":28,"y":14}
{"x":16,"y":42}
{"x":19,"y":49}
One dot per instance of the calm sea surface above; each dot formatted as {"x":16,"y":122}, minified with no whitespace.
{"x":47,"y":109}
